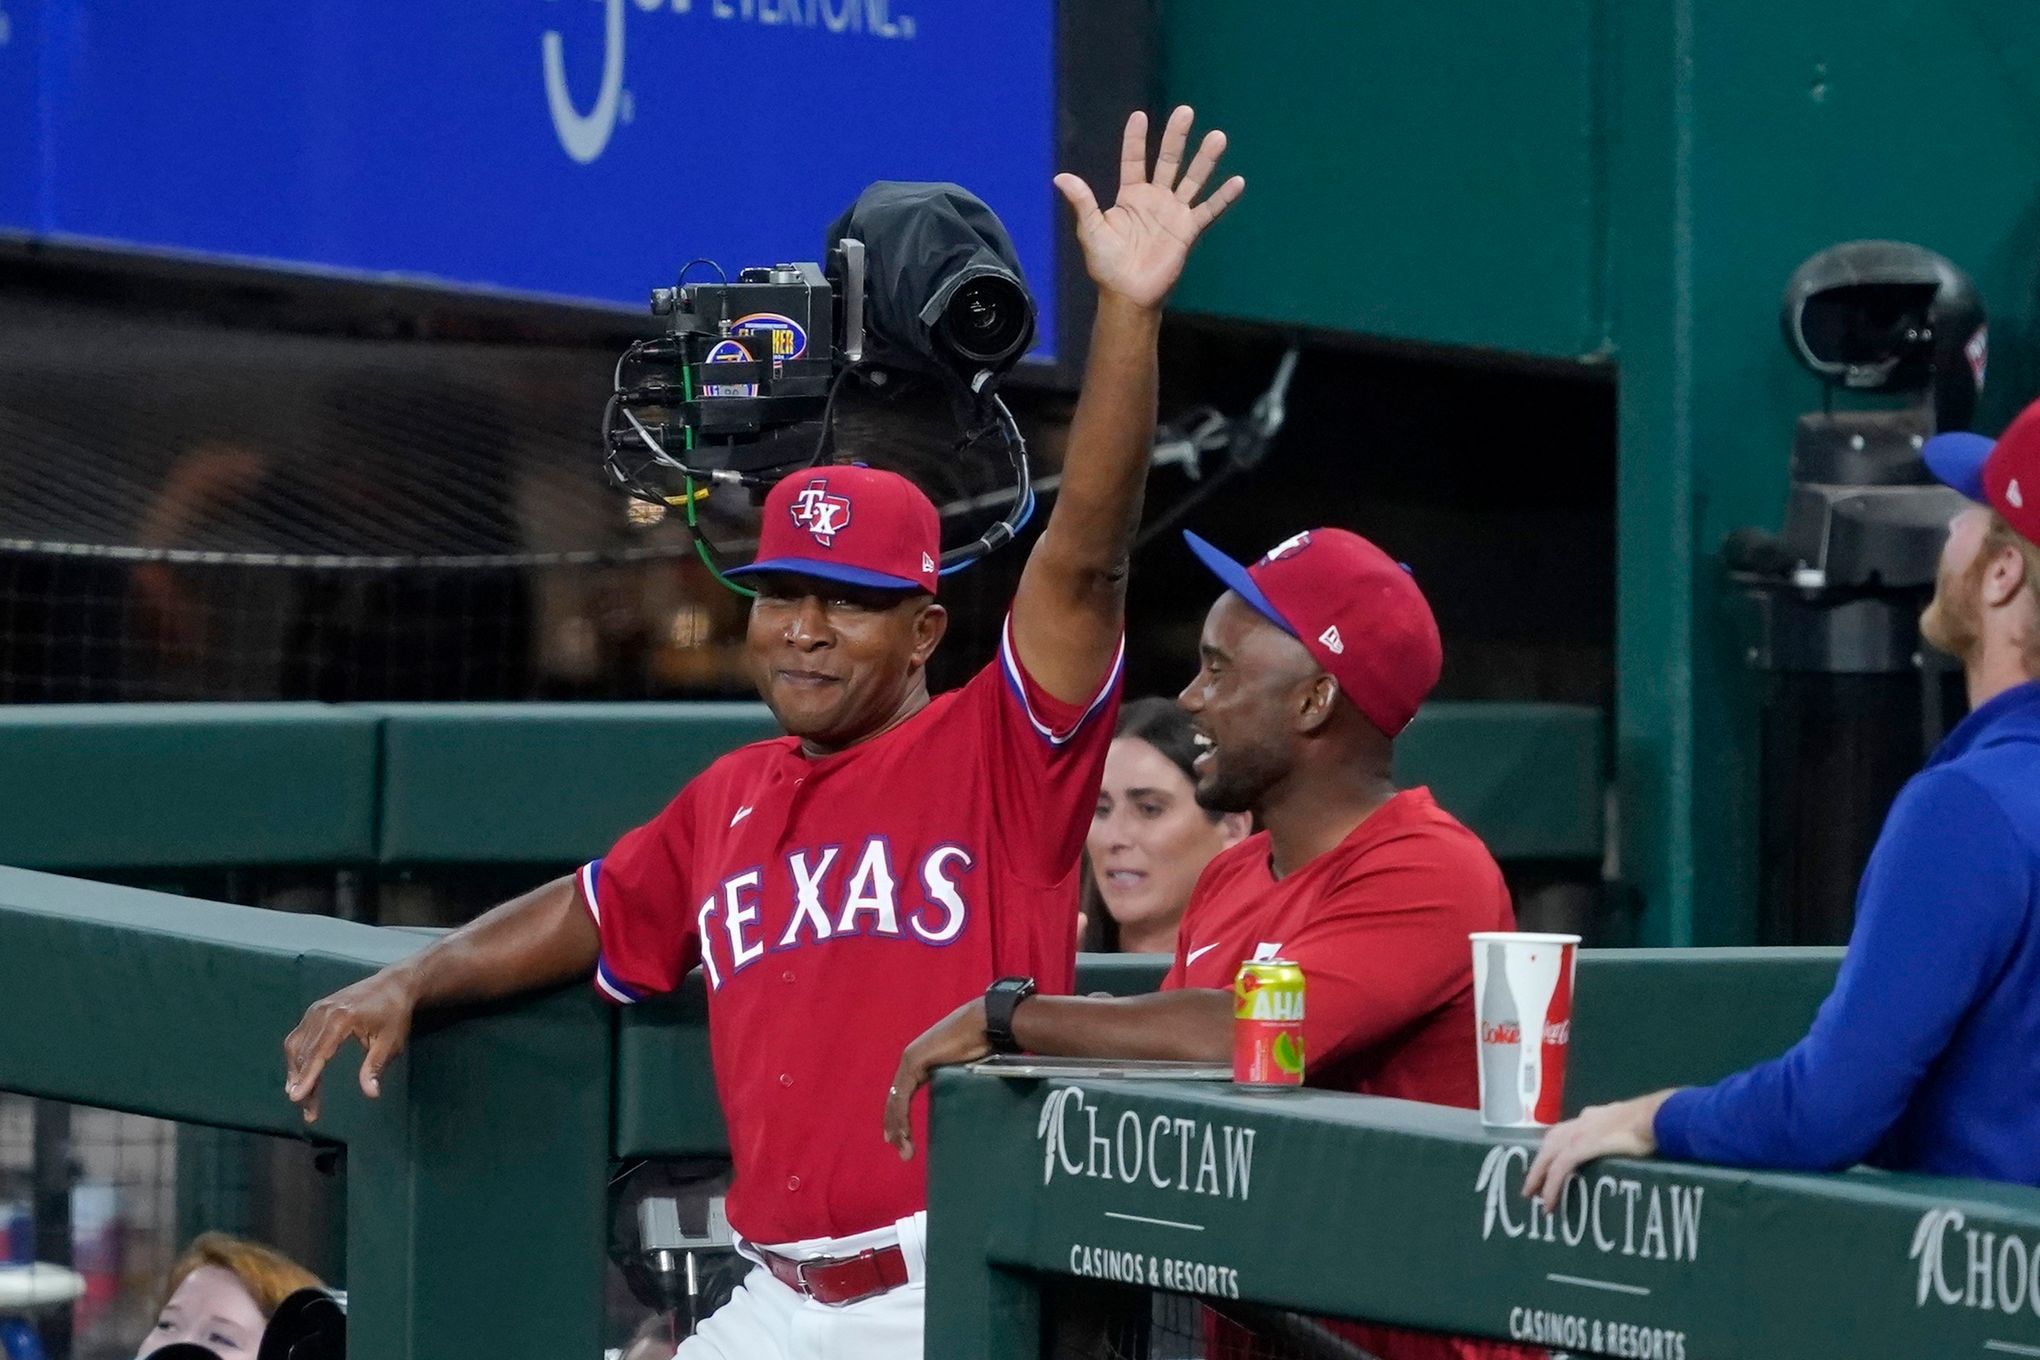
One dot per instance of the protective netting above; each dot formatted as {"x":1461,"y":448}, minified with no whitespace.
{"x":1092,"y":1320}
{"x":189,"y":511}
{"x":162,"y":440}
{"x":95,"y":1205}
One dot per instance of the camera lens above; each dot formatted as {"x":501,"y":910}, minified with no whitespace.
{"x":987,"y":321}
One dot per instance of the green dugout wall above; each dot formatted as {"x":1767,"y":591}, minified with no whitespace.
{"x":474,"y":1228}
{"x":1412,"y":1215}
{"x":128,"y":788}
{"x":1628,"y":182}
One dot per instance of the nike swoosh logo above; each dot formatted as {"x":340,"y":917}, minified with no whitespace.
{"x":742,"y":813}
{"x":1197,"y":954}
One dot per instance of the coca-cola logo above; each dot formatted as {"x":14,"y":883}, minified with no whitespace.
{"x":1509,"y":1032}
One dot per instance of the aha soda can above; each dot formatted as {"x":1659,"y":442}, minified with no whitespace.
{"x":1268,"y":1025}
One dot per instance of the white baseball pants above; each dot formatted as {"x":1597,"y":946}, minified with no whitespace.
{"x":765,"y":1320}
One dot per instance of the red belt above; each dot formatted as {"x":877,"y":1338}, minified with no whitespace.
{"x":837,"y":1280}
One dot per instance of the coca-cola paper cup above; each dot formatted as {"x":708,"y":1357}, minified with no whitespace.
{"x":1522,"y":1007}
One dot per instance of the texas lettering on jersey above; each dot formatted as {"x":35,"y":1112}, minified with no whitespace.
{"x":838,"y":905}
{"x":829,"y":900}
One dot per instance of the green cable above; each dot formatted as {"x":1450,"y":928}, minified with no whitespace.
{"x":700,"y":543}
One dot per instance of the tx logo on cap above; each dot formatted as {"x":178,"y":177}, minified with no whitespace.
{"x":821,"y":514}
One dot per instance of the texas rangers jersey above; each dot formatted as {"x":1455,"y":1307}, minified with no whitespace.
{"x":838,"y":906}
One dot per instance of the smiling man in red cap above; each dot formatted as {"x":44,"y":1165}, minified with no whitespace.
{"x":1313,"y":660}
{"x":841,"y":886}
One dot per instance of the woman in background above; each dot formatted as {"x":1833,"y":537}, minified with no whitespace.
{"x":220,"y":1294}
{"x":1149,"y":839}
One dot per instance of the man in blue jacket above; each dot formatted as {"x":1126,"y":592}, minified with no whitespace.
{"x":1922,"y":1059}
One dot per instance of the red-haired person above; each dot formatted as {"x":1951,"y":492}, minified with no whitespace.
{"x":220,"y":1294}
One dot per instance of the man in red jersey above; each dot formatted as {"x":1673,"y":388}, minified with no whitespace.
{"x":1313,"y":660}
{"x":927,"y":842}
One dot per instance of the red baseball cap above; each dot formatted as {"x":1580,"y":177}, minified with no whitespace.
{"x":1353,"y":607}
{"x":2003,"y":474}
{"x":850,"y":523}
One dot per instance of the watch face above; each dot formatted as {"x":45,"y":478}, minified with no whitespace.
{"x":1000,"y":1001}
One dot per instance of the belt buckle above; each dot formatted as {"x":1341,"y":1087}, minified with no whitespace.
{"x":800,"y":1270}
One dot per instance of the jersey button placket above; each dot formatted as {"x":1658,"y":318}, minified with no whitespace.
{"x":786,"y":1078}
{"x":793,"y":1182}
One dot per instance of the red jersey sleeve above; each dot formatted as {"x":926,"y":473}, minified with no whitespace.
{"x":1044,"y":759}
{"x":1387,"y":946}
{"x":637,"y":894}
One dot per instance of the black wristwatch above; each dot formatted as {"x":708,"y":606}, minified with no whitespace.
{"x":1001,"y":999}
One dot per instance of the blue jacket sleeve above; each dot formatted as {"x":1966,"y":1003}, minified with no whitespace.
{"x":1937,"y":916}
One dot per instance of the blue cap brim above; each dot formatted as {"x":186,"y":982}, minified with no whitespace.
{"x":827,"y":571}
{"x":1238,"y":581}
{"x":1957,"y":460}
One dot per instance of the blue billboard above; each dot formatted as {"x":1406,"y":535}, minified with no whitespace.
{"x":582,"y":149}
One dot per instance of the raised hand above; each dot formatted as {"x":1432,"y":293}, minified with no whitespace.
{"x":1136,"y":248}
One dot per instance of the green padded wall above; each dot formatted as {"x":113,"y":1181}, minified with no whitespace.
{"x":1531,"y":779}
{"x":1413,"y":1215}
{"x":170,"y":785}
{"x":1644,"y":1019}
{"x":473,"y":1227}
{"x":1423,"y":172}
{"x":540,"y":783}
{"x":148,"y":786}
{"x":545,"y":783}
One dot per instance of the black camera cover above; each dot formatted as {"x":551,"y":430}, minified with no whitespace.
{"x":924,"y":242}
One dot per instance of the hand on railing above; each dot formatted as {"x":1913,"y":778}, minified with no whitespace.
{"x":376,"y":1011}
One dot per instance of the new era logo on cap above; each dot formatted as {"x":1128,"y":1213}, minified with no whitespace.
{"x":1288,"y":547}
{"x":1319,"y":586}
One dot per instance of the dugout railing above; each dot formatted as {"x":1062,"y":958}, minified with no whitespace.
{"x":1409,"y":1215}
{"x":476,"y":1188}
{"x":1306,"y":1207}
